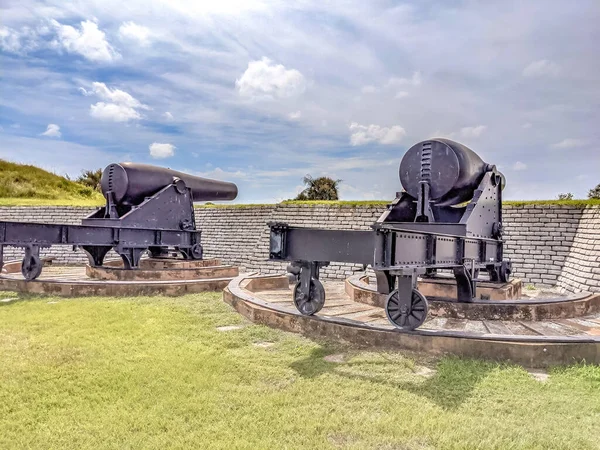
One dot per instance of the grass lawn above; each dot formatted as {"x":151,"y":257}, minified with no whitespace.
{"x":157,"y":373}
{"x":82,"y":202}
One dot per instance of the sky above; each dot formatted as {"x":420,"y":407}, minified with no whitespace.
{"x":262,"y":93}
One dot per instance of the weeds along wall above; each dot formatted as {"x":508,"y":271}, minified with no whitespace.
{"x":548,"y":244}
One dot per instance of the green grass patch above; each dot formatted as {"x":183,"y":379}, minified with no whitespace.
{"x":24,"y":184}
{"x":339,"y":203}
{"x":234,"y":205}
{"x":573,"y":203}
{"x":52,"y":202}
{"x":156,"y":373}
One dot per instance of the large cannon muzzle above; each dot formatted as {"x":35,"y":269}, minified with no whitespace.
{"x":131,"y":183}
{"x":452,"y":170}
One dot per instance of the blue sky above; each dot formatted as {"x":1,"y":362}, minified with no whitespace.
{"x":263,"y":93}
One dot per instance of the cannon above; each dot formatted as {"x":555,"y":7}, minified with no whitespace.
{"x":148,"y":209}
{"x":448,"y":217}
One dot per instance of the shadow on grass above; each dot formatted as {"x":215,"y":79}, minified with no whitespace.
{"x":452,"y":383}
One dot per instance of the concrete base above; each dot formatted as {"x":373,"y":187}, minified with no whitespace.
{"x":155,"y":277}
{"x":554,"y":342}
{"x":178,"y":273}
{"x":166,"y":263}
{"x":446,"y":288}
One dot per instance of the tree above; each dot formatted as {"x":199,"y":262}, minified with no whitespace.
{"x":91,"y":178}
{"x":322,"y":188}
{"x":594,"y":193}
{"x":567,"y":196}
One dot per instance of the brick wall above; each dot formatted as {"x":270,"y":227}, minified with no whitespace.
{"x":549,"y":245}
{"x":581,"y":270}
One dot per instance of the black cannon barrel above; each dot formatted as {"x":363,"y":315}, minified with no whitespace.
{"x":131,"y":183}
{"x":453,"y":170}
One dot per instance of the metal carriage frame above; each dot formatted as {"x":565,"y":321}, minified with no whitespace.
{"x":413,"y":237}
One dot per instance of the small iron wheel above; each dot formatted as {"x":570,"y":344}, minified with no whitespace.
{"x":504,"y":272}
{"x":314,"y":302}
{"x":406,"y":317}
{"x":31,"y":267}
{"x":196,"y":251}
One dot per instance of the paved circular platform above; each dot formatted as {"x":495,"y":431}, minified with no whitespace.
{"x":155,"y":277}
{"x":534,"y":343}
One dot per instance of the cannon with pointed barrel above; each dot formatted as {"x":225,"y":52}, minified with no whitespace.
{"x":449,"y":216}
{"x":148,"y":209}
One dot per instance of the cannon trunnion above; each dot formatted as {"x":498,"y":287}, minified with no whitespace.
{"x":148,"y":209}
{"x":449,"y":217}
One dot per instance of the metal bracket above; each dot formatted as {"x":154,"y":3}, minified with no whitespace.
{"x":130,"y":256}
{"x":406,"y":283}
{"x":111,"y":207}
{"x":277,"y":240}
{"x":464,"y":284}
{"x":305,"y":271}
{"x":96,"y":254}
{"x":424,"y":212}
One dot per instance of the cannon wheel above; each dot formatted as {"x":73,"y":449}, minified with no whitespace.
{"x":504,"y":272}
{"x":406,"y":315}
{"x":31,"y":267}
{"x":196,"y":251}
{"x":314,"y":302}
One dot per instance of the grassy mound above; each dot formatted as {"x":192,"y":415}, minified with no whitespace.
{"x":188,"y":372}
{"x":22,"y":184}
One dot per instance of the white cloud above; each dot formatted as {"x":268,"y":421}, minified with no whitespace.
{"x":541,"y":68}
{"x":362,"y":134}
{"x":265,"y":79}
{"x":85,"y":92}
{"x":527,"y":125}
{"x":395,"y":84}
{"x":415,"y":80}
{"x":116,"y":96}
{"x":569,"y":143}
{"x":20,"y":41}
{"x":472,"y":132}
{"x":160,"y":151}
{"x":167,"y":115}
{"x":88,"y":41}
{"x":219,"y":174}
{"x":52,"y":130}
{"x":120,"y":106}
{"x":114,"y":112}
{"x":295,"y":115}
{"x":368,"y":89}
{"x":135,"y":32}
{"x":518,"y":166}
{"x":9,"y":40}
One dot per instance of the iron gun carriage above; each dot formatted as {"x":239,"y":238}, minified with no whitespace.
{"x":147,"y":208}
{"x":449,"y":216}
